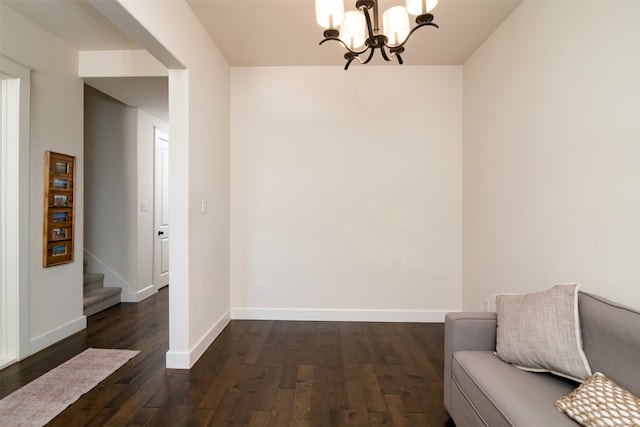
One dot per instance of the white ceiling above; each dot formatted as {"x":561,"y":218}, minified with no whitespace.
{"x":264,"y":33}
{"x":148,"y":93}
{"x":285,"y":32}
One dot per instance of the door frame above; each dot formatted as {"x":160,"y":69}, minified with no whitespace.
{"x":14,"y":256}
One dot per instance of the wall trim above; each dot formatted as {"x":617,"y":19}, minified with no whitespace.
{"x":185,"y":360}
{"x":177,"y":360}
{"x":140,"y":295}
{"x":342,"y":315}
{"x":45,"y":340}
{"x":15,"y":220}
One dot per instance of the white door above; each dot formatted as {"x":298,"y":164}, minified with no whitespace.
{"x":161,"y":211}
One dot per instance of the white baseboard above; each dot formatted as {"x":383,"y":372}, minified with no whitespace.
{"x":422,"y":316}
{"x":45,"y":340}
{"x":140,"y":295}
{"x":178,"y":360}
{"x":184,"y":359}
{"x":7,"y":361}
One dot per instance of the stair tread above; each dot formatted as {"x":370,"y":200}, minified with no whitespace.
{"x":107,"y":290}
{"x":91,"y":277}
{"x":97,"y":303}
{"x":95,"y":295}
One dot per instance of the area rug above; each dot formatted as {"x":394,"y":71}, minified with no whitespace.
{"x":44,"y":398}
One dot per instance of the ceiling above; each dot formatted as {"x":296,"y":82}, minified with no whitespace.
{"x":264,"y":33}
{"x":285,"y":32}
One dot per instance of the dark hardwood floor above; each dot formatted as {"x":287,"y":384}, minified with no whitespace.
{"x":257,"y":373}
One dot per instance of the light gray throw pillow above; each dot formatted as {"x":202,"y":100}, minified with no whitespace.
{"x":541,"y":332}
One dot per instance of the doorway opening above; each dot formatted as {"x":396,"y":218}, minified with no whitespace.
{"x":14,"y":210}
{"x":161,"y":210}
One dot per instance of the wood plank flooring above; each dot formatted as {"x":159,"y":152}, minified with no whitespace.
{"x":256,"y":373}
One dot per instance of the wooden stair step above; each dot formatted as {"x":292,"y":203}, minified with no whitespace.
{"x":98,"y":299}
{"x":91,"y":277}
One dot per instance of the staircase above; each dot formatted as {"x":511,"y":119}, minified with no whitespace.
{"x":96,"y":296}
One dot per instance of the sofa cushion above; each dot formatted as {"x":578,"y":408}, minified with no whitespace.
{"x":601,"y":402}
{"x":541,"y":332}
{"x":503,"y":395}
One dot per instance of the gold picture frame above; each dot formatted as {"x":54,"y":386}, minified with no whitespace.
{"x":59,"y":207}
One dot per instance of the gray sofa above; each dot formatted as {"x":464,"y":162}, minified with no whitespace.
{"x":481,"y":390}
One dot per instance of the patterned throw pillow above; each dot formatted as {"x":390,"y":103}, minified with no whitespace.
{"x":541,"y":332}
{"x":601,"y":402}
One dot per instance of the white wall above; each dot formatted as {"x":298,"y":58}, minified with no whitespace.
{"x":56,"y":124}
{"x":346,"y":192}
{"x":111,"y":191}
{"x":551,"y":153}
{"x":198,"y":168}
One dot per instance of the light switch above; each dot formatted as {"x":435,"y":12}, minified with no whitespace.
{"x":204,"y":205}
{"x":144,"y":206}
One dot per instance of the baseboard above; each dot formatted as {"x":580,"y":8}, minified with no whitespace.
{"x":140,"y":295}
{"x":422,"y":316}
{"x":45,"y":340}
{"x":7,"y":361}
{"x":185,"y":360}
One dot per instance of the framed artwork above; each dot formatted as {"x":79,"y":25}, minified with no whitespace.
{"x":59,"y":190}
{"x":59,"y":249}
{"x":60,"y":200}
{"x":61,"y":183}
{"x":57,"y":218}
{"x":62,"y":233}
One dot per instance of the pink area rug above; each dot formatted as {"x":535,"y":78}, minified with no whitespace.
{"x":44,"y":398}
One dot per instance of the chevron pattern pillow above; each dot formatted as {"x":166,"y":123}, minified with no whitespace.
{"x":601,"y":402}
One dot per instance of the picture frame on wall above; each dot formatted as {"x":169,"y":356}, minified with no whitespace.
{"x":61,"y":167}
{"x":59,"y":249}
{"x":61,"y":183}
{"x":60,"y":215}
{"x":59,"y":208}
{"x":60,"y":200}
{"x":62,"y":233}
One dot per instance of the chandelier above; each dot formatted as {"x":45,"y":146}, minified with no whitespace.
{"x":360,"y":33}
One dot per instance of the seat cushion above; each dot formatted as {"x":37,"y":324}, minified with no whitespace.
{"x":503,"y":395}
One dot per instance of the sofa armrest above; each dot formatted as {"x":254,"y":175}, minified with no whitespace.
{"x":466,"y":331}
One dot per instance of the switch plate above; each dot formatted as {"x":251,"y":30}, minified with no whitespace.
{"x":144,"y":206}
{"x":204,"y":206}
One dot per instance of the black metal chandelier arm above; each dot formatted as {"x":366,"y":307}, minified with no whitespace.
{"x":346,"y":66}
{"x":350,"y":57}
{"x":366,"y":61}
{"x":355,"y":52}
{"x":384,"y":53}
{"x":395,"y":53}
{"x":367,"y":17}
{"x":424,"y":24}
